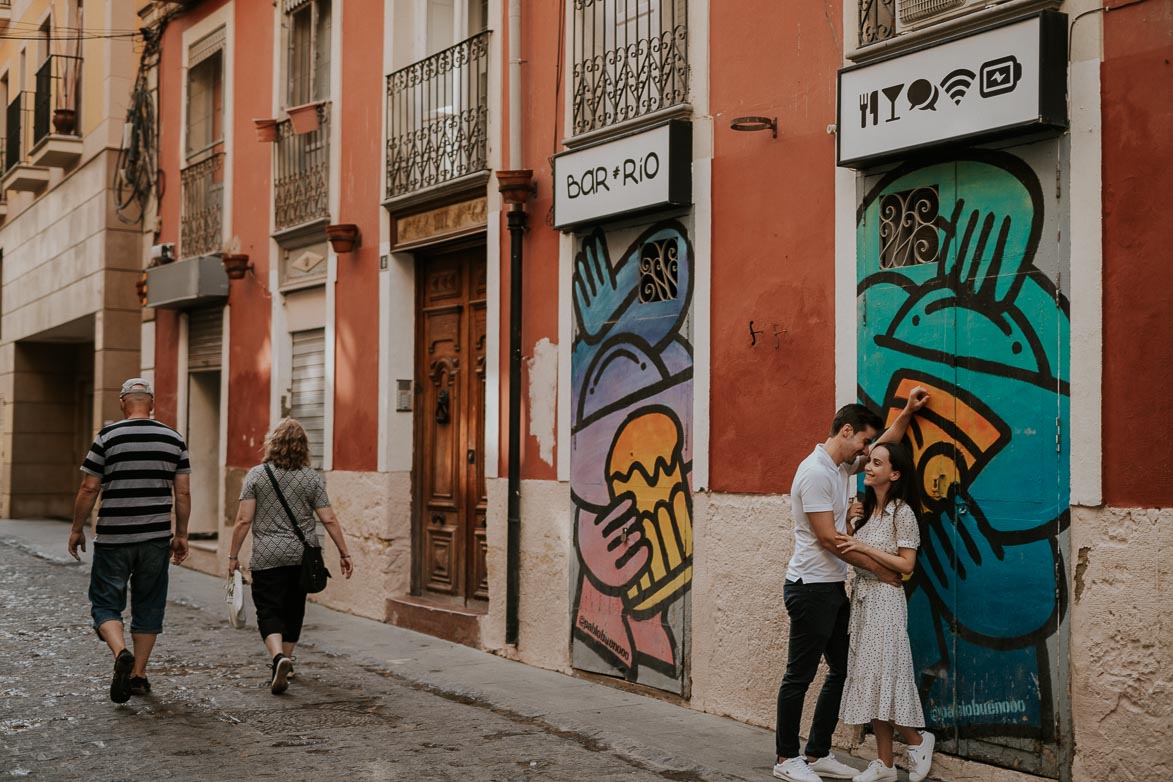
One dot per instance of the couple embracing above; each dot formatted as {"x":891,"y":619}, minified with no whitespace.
{"x":864,"y":638}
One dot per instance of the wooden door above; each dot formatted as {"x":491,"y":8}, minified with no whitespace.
{"x":450,"y":541}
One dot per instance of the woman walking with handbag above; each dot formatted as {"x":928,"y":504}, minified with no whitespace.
{"x":881,"y":685}
{"x":277,"y":502}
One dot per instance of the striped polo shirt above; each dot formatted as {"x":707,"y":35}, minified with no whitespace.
{"x":137,"y":460}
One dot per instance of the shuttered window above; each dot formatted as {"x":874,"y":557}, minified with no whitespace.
{"x":308,"y":391}
{"x":205,"y":335}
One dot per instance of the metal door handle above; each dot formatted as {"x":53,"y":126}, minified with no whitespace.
{"x":442,"y":401}
{"x":472,"y":456}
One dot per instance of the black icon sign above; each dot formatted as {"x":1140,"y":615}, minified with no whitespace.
{"x":923,"y":94}
{"x":892,"y":93}
{"x":869,"y":103}
{"x":957,"y":83}
{"x":1000,"y":76}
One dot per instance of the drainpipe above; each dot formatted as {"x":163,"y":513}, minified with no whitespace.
{"x":515,"y":188}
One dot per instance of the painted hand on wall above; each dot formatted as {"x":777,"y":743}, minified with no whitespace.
{"x":612,"y":544}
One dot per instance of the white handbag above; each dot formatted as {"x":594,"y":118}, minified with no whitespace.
{"x":234,"y":597}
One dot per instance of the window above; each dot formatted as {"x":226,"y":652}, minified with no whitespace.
{"x":908,"y":227}
{"x":205,"y":94}
{"x":308,"y":55}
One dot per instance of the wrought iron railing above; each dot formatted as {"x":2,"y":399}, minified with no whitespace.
{"x":437,"y":117}
{"x":301,"y":186}
{"x":877,"y":21}
{"x":201,"y":224}
{"x":630,"y":59}
{"x":18,"y":120}
{"x":57,"y":82}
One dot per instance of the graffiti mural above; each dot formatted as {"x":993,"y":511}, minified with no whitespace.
{"x":952,"y":298}
{"x":631,"y":455}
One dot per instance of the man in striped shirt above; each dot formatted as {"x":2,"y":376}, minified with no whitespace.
{"x":136,"y":464}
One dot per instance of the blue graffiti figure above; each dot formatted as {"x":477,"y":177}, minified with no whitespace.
{"x":952,"y":300}
{"x":631,"y":399}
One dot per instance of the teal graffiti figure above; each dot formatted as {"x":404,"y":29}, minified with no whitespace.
{"x":951,"y":299}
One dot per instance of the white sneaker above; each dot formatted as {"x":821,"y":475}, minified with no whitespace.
{"x":876,"y":772}
{"x":920,"y":757}
{"x":796,"y":770}
{"x":831,"y":767}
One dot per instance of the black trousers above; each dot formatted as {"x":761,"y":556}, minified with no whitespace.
{"x":280,"y":601}
{"x":819,"y":616}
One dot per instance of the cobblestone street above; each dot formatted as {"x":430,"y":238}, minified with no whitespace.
{"x":211,"y":715}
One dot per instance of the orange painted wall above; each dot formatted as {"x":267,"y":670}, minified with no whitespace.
{"x":773,"y":241}
{"x":250,"y":300}
{"x":542,"y":133}
{"x":1137,"y":104}
{"x":358,"y":110}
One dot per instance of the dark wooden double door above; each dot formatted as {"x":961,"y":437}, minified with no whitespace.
{"x":450,"y":541}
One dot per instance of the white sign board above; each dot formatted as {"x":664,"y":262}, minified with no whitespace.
{"x":979,"y":86}
{"x":627,"y":175}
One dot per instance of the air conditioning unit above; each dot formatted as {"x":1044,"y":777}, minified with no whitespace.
{"x":918,"y":14}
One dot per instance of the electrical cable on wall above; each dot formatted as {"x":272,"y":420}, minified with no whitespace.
{"x":136,"y":175}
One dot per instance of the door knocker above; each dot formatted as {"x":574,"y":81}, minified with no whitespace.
{"x":442,"y":415}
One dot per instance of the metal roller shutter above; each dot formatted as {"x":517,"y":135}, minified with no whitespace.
{"x":205,"y":335}
{"x":308,"y":391}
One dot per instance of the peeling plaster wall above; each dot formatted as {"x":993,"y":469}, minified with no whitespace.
{"x":544,"y":610}
{"x":374,"y":509}
{"x":739,"y":625}
{"x":1122,"y":643}
{"x":542,"y":368}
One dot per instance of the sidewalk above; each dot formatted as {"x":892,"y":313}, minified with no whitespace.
{"x":677,"y":742}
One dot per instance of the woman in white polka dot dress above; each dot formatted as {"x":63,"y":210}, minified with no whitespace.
{"x":881,"y":686}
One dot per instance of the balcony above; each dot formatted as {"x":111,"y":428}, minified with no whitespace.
{"x":201,"y":223}
{"x":55,"y":140}
{"x":629,"y":60}
{"x":19,"y":174}
{"x":437,"y":118}
{"x":301,"y":185}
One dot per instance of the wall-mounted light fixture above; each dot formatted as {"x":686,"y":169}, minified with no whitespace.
{"x":756,"y":123}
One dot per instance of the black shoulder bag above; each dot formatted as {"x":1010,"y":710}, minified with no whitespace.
{"x":313,"y":567}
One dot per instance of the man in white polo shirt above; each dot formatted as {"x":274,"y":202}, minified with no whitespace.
{"x":815,"y":595}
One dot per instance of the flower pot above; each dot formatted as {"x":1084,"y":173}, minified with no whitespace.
{"x":266,"y":130}
{"x":65,"y":121}
{"x":304,"y":117}
{"x":344,"y":237}
{"x":235,"y":265}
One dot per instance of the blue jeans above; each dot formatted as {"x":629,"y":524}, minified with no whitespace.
{"x":818,"y":629}
{"x":142,"y":566}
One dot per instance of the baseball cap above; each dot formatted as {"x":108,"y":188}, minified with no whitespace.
{"x":136,"y":385}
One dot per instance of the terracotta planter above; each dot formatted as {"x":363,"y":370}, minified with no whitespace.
{"x":305,"y":117}
{"x":344,"y":237}
{"x":65,"y":121}
{"x":266,"y":130}
{"x":515,"y":186}
{"x":235,"y":265}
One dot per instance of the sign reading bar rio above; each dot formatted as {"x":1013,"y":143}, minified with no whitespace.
{"x":1006,"y":80}
{"x":640,"y":172}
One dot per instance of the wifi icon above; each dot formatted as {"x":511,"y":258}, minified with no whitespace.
{"x":957,"y":83}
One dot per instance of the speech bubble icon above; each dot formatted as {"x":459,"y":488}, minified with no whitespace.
{"x":923,"y":94}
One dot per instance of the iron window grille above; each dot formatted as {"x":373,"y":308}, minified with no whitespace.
{"x":877,"y":21}
{"x":19,"y":123}
{"x":909,"y":234}
{"x":437,"y":117}
{"x":630,"y":59}
{"x":201,"y":224}
{"x":301,"y":185}
{"x":57,"y":82}
{"x":659,"y":265}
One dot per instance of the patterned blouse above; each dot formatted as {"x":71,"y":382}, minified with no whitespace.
{"x":275,"y":544}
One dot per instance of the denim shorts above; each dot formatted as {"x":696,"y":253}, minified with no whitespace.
{"x":142,"y":567}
